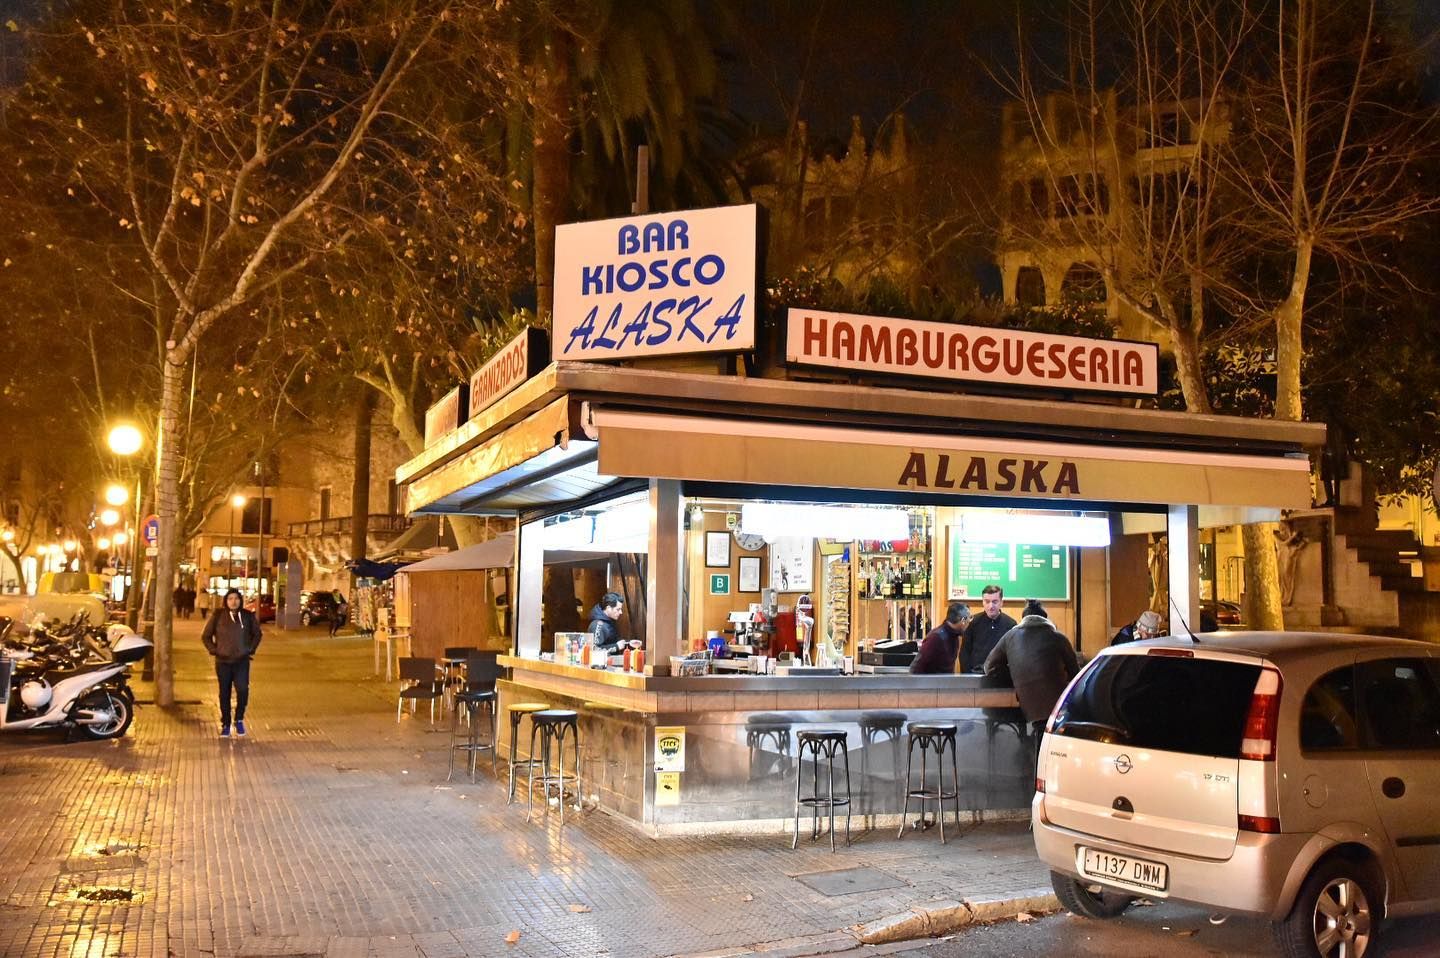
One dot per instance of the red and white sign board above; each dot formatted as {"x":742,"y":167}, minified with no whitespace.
{"x":908,"y":347}
{"x":656,"y":285}
{"x":517,"y":361}
{"x":150,"y":529}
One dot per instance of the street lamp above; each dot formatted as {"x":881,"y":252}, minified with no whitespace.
{"x":125,"y":440}
{"x":108,"y":517}
{"x":120,"y":538}
{"x":103,"y":544}
{"x":7,"y":535}
{"x":116,"y":494}
{"x":237,"y":501}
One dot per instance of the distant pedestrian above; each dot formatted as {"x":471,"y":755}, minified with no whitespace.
{"x":177,"y":600}
{"x":232,"y":636}
{"x":1041,"y":662}
{"x":342,"y":611}
{"x":203,"y":601}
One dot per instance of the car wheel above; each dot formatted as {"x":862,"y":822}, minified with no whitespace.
{"x":304,"y":618}
{"x":104,"y":700}
{"x":1088,"y":900}
{"x":1336,"y":914}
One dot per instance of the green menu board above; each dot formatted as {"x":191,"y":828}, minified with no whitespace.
{"x":1023,"y":571}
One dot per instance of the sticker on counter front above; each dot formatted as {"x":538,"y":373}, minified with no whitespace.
{"x":667,"y":788}
{"x":670,"y":749}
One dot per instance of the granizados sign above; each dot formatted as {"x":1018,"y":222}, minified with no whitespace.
{"x":517,"y":361}
{"x":910,"y":347}
{"x":656,"y":285}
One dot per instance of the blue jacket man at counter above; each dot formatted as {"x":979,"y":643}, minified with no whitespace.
{"x":939,"y":649}
{"x":603,"y":616}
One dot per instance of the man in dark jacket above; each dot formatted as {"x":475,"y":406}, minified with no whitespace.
{"x":232,"y":635}
{"x":1145,"y":626}
{"x":939,"y":648}
{"x":603,"y":616}
{"x":1041,"y":662}
{"x":984,"y":631}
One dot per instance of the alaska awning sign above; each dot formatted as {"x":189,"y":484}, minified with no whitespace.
{"x":656,"y":285}
{"x":720,"y":450}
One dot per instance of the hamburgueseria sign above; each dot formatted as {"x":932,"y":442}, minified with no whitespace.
{"x":908,"y":347}
{"x":656,"y":285}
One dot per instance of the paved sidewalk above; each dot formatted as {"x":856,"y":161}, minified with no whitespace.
{"x":331,"y":831}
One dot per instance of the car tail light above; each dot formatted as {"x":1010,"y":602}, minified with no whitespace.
{"x":1040,"y":785}
{"x":1256,"y":823}
{"x":1263,"y":720}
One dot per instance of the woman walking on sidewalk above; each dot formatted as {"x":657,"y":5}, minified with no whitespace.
{"x":232,"y":635}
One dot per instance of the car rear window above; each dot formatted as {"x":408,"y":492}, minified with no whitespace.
{"x":1190,"y":705}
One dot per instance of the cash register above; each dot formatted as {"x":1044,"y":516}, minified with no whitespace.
{"x":889,"y":654}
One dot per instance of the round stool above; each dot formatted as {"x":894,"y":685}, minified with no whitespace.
{"x":764,"y":727}
{"x":876,"y":725}
{"x":820,"y":742}
{"x":939,"y":736}
{"x":471,"y":701}
{"x":553,"y":725}
{"x":518,"y":711}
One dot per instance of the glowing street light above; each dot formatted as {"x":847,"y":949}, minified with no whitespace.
{"x":7,"y":535}
{"x":103,"y":544}
{"x":116,"y":494}
{"x":42,"y":549}
{"x":108,"y":517}
{"x":120,"y":539}
{"x":71,"y":545}
{"x":125,"y":440}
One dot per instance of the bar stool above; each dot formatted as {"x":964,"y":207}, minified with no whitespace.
{"x":453,"y":662}
{"x":938,"y":736}
{"x":821,"y":742}
{"x":553,"y":725}
{"x":517,"y":711}
{"x":481,"y":673}
{"x":876,"y":725}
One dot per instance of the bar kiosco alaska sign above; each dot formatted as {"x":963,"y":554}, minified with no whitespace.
{"x":907,"y":347}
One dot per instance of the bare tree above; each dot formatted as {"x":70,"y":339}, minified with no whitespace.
{"x":1112,"y":160}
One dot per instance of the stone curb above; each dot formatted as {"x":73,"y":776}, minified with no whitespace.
{"x":944,"y":917}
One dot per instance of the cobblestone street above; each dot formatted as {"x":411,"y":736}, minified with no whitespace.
{"x":330,"y":830}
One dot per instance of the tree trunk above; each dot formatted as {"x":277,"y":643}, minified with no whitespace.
{"x":167,"y":452}
{"x":1262,"y":608}
{"x":551,"y":188}
{"x":1188,"y":369}
{"x":1289,"y":317}
{"x":360,"y":481}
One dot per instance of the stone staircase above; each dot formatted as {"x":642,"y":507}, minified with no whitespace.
{"x":1395,"y":562}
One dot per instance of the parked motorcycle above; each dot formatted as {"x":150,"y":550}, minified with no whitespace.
{"x":71,"y":684}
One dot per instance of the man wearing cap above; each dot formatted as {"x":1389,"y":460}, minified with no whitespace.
{"x":1145,"y":626}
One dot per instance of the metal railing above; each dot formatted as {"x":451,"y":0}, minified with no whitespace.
{"x":340,"y":525}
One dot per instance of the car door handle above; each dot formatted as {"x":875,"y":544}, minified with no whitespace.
{"x":1392,"y":787}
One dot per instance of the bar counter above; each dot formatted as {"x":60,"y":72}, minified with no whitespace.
{"x":738,"y":744}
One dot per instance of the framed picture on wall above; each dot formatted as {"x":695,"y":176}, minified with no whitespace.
{"x":717,"y":549}
{"x":749,"y":574}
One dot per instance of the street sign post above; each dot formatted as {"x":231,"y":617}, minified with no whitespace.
{"x":150,"y":529}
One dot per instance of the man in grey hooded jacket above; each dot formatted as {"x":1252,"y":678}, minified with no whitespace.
{"x":1041,"y":662}
{"x":232,"y":635}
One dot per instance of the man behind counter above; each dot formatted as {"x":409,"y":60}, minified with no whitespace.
{"x":938,"y":650}
{"x":605,"y":633}
{"x":984,"y":631}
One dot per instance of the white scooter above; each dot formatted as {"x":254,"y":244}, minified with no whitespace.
{"x":93,"y":697}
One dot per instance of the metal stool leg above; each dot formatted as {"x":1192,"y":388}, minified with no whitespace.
{"x":514,"y":753}
{"x":814,"y":788}
{"x":453,"y":729}
{"x":799,"y":771}
{"x":830,"y":766}
{"x":579,"y":788}
{"x":905,"y":789}
{"x":848,"y":798}
{"x":940,"y":787}
{"x":955,"y":779}
{"x":530,"y":780}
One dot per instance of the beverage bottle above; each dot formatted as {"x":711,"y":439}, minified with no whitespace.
{"x":638,"y":660}
{"x":626,"y":664}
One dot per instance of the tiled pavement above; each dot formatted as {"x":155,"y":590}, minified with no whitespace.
{"x":331,"y":831}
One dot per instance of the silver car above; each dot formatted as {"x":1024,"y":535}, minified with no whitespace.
{"x":1287,"y":775}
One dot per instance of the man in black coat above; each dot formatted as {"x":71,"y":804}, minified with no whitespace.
{"x":1041,"y":662}
{"x":605,"y":634}
{"x":984,"y":631}
{"x":232,"y":636}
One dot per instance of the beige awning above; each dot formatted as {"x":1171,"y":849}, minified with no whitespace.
{"x":772,"y":453}
{"x":528,"y":451}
